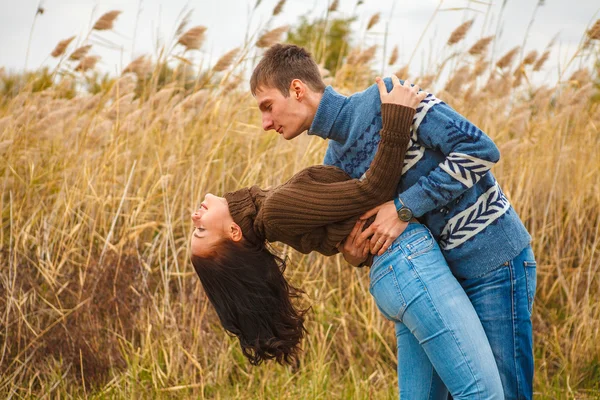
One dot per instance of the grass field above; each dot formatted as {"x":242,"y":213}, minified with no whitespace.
{"x":98,"y":298}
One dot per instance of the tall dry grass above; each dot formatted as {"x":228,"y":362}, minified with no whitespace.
{"x":98,"y":298}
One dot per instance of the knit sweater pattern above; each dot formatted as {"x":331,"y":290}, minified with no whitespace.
{"x":446,"y":179}
{"x":317,"y":208}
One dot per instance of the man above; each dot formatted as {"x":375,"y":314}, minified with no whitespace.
{"x":446,"y":184}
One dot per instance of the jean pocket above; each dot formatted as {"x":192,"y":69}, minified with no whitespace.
{"x":386,"y":293}
{"x":531,"y":281}
{"x":419,"y":244}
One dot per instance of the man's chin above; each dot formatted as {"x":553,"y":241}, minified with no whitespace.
{"x":290,"y":136}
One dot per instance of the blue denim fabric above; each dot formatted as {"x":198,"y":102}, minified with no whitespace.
{"x":503,"y":299}
{"x":441,"y":342}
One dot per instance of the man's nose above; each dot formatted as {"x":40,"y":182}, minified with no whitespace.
{"x":267,"y":123}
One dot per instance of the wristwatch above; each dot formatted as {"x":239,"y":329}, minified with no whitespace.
{"x":404,"y":213}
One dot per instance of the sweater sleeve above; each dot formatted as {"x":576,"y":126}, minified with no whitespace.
{"x":303,"y":207}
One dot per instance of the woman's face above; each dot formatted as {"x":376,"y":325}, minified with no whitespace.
{"x":212,"y":222}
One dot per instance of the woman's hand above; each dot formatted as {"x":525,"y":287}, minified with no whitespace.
{"x":353,"y":254}
{"x":402,"y":93}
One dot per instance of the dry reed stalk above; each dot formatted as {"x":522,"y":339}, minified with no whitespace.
{"x":530,"y":57}
{"x":507,"y":59}
{"x":278,"y":7}
{"x":60,"y":48}
{"x":80,"y":52}
{"x":459,"y":33}
{"x":541,"y":61}
{"x":481,"y":46}
{"x":333,"y":6}
{"x":393,"y":56}
{"x":192,"y":39}
{"x":141,"y":66}
{"x":87,"y":63}
{"x":226,"y":60}
{"x":271,"y":37}
{"x":106,"y":21}
{"x":373,"y":20}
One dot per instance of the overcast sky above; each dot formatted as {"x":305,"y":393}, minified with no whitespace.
{"x":228,"y":21}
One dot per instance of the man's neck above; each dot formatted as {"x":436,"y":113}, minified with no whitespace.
{"x":313,"y":99}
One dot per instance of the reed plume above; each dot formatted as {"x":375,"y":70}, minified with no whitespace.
{"x":393,"y":56}
{"x":480,"y":46}
{"x":333,"y":6}
{"x":80,"y":52}
{"x":226,"y":59}
{"x":459,"y":33}
{"x":192,"y":39}
{"x":141,"y":66}
{"x":271,"y":37}
{"x":594,"y":32}
{"x":60,"y":48}
{"x":87,"y":63}
{"x":402,"y":73}
{"x":541,"y":61}
{"x":278,"y":7}
{"x":367,"y":55}
{"x":507,"y":59}
{"x":373,"y":21}
{"x":106,"y":21}
{"x":530,"y":57}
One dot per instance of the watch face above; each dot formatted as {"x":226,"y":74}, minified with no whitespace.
{"x":405,"y":214}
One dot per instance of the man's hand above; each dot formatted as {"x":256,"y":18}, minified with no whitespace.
{"x":384,"y":230}
{"x":353,"y":254}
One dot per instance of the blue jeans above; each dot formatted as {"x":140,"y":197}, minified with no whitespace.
{"x":503,"y":299}
{"x":441,"y":343}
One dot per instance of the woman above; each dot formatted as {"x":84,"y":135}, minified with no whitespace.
{"x":315,"y":211}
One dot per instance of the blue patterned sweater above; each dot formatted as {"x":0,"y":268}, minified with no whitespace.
{"x":446,"y":179}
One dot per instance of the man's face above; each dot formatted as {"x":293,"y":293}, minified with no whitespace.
{"x":286,"y":115}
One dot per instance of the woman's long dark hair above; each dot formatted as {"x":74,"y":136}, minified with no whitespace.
{"x":253,"y":300}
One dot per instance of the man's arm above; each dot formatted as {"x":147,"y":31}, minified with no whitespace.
{"x":469,"y":152}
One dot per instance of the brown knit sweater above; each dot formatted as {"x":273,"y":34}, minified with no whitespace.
{"x":318,"y":207}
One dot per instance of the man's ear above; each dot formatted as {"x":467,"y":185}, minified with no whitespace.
{"x":235,"y":232}
{"x":297,"y":89}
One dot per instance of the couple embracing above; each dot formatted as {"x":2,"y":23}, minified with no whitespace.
{"x":406,"y":190}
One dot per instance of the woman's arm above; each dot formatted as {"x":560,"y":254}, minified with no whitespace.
{"x":306,"y":202}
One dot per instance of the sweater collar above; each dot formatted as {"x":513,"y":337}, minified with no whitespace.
{"x":329,"y":108}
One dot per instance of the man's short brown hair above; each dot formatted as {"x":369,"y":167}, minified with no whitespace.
{"x":283,"y":63}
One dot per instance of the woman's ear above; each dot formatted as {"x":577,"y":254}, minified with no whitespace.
{"x":235,"y":232}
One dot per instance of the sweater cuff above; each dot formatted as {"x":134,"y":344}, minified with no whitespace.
{"x":397,"y":118}
{"x":240,"y":202}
